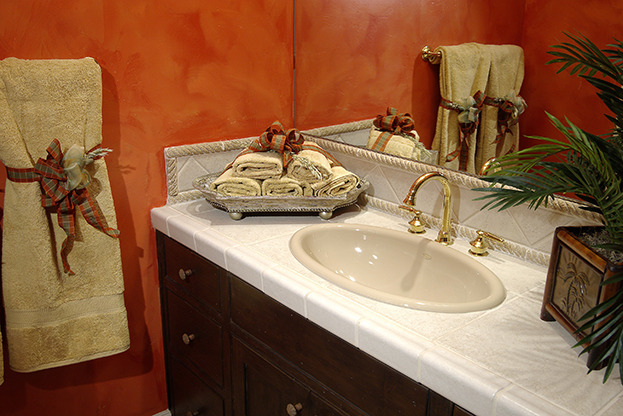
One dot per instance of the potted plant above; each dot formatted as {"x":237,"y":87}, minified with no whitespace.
{"x":589,"y":167}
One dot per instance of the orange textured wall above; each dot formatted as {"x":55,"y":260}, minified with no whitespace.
{"x":355,"y":58}
{"x":187,"y":71}
{"x":563,"y":95}
{"x":174,"y":72}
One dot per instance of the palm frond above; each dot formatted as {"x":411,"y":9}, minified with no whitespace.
{"x":586,"y":165}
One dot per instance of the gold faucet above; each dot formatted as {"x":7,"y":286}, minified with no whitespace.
{"x":444,"y":234}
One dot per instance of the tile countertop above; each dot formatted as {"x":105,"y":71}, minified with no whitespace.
{"x":501,"y":362}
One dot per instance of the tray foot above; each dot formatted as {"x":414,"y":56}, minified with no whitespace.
{"x":235,"y":215}
{"x":325,"y":215}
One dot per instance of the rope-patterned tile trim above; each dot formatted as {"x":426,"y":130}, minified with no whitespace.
{"x":340,"y":128}
{"x":465,"y":180}
{"x":171,"y":154}
{"x":463,"y":232}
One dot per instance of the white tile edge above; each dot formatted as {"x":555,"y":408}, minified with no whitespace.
{"x":460,"y":380}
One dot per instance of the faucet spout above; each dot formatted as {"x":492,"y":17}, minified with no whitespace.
{"x":444,"y":233}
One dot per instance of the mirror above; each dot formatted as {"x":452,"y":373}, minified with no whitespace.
{"x":355,"y":58}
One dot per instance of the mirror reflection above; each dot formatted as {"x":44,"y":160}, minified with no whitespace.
{"x":356,"y":59}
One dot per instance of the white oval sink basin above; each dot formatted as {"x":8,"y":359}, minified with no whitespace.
{"x":397,"y":268}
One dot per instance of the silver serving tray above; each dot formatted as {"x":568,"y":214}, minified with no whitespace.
{"x":236,"y":206}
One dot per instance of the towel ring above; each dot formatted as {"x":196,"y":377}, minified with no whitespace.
{"x":430,"y":56}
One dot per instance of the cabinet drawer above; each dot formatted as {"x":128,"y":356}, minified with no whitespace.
{"x":198,"y":276}
{"x":190,"y":395}
{"x":195,"y":336}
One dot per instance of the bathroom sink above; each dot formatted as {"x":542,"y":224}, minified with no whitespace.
{"x":397,"y":268}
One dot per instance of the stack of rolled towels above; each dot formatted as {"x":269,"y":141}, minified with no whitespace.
{"x":310,"y":172}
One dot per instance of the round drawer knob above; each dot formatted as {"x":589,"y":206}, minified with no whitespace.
{"x":187,"y":338}
{"x":185,"y":273}
{"x":292,"y":409}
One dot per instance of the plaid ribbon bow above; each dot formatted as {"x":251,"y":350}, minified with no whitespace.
{"x":275,"y":138}
{"x":468,"y":118}
{"x":55,"y":193}
{"x":287,"y":143}
{"x":509,"y":109}
{"x":393,"y":123}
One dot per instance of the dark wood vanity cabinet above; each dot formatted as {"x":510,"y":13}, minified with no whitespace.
{"x":232,"y":350}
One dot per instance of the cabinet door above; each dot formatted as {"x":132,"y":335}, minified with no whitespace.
{"x":262,"y":389}
{"x":190,"y":396}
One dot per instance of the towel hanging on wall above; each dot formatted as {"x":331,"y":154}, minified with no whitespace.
{"x":51,"y":112}
{"x":499,"y":128}
{"x":463,"y":76}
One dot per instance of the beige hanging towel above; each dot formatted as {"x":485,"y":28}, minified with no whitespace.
{"x":462,"y":79}
{"x":61,"y":273}
{"x":499,"y":129}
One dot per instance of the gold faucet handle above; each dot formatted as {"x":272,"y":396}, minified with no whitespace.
{"x":480,"y":244}
{"x":415,"y":225}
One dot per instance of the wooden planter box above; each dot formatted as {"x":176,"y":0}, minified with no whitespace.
{"x":573,"y":282}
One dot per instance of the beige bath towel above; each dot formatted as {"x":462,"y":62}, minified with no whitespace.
{"x":54,"y":318}
{"x":285,"y":187}
{"x":506,"y":76}
{"x":341,"y":182}
{"x":229,"y":185}
{"x":464,"y":72}
{"x":310,"y":165}
{"x":258,"y":165}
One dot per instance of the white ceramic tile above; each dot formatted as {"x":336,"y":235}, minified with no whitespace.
{"x":615,"y":408}
{"x":498,"y":223}
{"x":212,"y":245}
{"x":196,"y":209}
{"x":430,"y":325}
{"x":459,"y":380}
{"x":159,"y":218}
{"x":381,"y":186}
{"x":358,"y":166}
{"x":188,"y":173}
{"x":247,"y":265}
{"x":357,"y":138}
{"x":399,"y":180}
{"x":514,"y":400}
{"x":331,"y":313}
{"x":183,"y":229}
{"x":514,"y":343}
{"x":517,"y":277}
{"x":216,"y":162}
{"x":279,"y":284}
{"x":397,"y":349}
{"x":256,"y":228}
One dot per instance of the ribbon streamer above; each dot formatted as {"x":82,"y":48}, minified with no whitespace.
{"x":509,"y":109}
{"x":469,"y":118}
{"x":57,"y":191}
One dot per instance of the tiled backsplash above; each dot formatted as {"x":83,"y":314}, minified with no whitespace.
{"x":528,"y":233}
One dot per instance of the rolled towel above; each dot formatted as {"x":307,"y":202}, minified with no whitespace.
{"x":310,"y":165}
{"x":342,"y":181}
{"x":229,"y":185}
{"x":258,"y":165}
{"x":398,"y":145}
{"x":285,"y":187}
